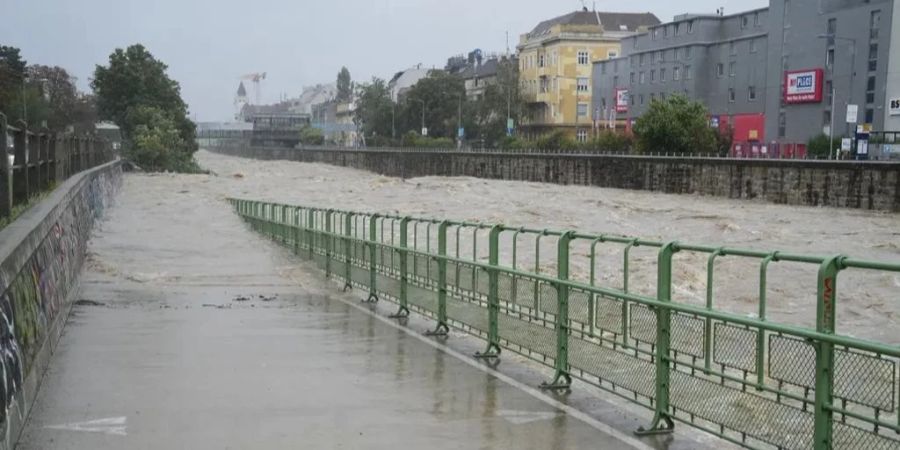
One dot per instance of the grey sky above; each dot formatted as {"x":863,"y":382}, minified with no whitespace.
{"x":208,"y":44}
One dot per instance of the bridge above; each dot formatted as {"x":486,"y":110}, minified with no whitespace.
{"x":275,"y":304}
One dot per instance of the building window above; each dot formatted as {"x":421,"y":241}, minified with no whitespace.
{"x":874,"y":21}
{"x":616,"y":81}
{"x":870,"y":89}
{"x":677,"y":29}
{"x":582,"y":109}
{"x":720,"y":69}
{"x":676,"y":73}
{"x":752,"y":45}
{"x":612,"y":54}
{"x":662,"y":96}
{"x":641,"y":76}
{"x":642,"y":59}
{"x":687,"y":53}
{"x":544,"y":85}
{"x":745,"y":21}
{"x":653,"y":76}
{"x":662,"y":75}
{"x":870,"y":115}
{"x":756,"y":19}
{"x":603,"y":102}
{"x":582,"y":85}
{"x":652,"y":98}
{"x":731,"y":95}
{"x":583,"y":57}
{"x":826,"y":118}
{"x":873,"y":57}
{"x":655,"y":34}
{"x":829,"y":57}
{"x":541,"y":60}
{"x":732,"y":48}
{"x":642,"y":98}
{"x":732,"y":68}
{"x":581,"y":135}
{"x":751,"y":93}
{"x":687,"y":73}
{"x":631,"y":76}
{"x":690,"y":26}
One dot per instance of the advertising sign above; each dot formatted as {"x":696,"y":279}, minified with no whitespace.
{"x":894,"y":106}
{"x":621,"y":100}
{"x":803,"y":86}
{"x":852,"y":113}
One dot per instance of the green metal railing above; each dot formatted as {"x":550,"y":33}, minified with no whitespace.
{"x":750,"y":380}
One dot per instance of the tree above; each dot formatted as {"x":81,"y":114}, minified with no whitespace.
{"x":136,"y":80}
{"x":12,"y":77}
{"x":819,"y":146}
{"x":311,"y":136}
{"x":344,"y":86}
{"x":441,"y":93}
{"x":57,"y":87}
{"x":677,"y":125}
{"x":374,"y":108}
{"x":500,"y":98}
{"x":155,"y":141}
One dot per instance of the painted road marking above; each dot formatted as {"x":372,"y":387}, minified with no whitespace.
{"x":523,"y":417}
{"x":111,"y":425}
{"x":573,"y":412}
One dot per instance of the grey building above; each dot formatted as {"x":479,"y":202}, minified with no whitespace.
{"x":766,"y":73}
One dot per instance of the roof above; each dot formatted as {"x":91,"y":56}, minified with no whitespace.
{"x":241,"y":91}
{"x":611,"y":21}
{"x":486,"y":69}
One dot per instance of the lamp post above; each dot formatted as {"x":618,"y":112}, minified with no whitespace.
{"x":833,"y":37}
{"x":423,"y":115}
{"x":459,"y":137}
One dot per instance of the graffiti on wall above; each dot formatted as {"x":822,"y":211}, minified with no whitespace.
{"x":36,"y":296}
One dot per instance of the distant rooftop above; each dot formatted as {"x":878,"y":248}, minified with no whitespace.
{"x":611,"y":21}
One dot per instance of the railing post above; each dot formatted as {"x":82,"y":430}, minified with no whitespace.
{"x":373,"y":263}
{"x":6,"y":200}
{"x":493,"y":345}
{"x":311,"y":232}
{"x":825,"y":321}
{"x":20,"y":161}
{"x":348,"y":233}
{"x":44,"y":159}
{"x":562,"y":379}
{"x":662,"y":420}
{"x":442,"y":328}
{"x":52,"y":151}
{"x":404,"y":276}
{"x":34,"y":164}
{"x":328,"y":242}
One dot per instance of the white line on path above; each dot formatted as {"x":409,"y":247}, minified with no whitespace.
{"x":110,"y":425}
{"x":596,"y":424}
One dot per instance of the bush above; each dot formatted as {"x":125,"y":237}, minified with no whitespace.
{"x":311,"y":136}
{"x":557,"y":140}
{"x":156,"y":144}
{"x":611,"y":141}
{"x":512,"y":143}
{"x":677,"y":125}
{"x":818,"y":146}
{"x":413,"y":139}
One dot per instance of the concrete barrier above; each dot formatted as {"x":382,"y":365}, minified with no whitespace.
{"x":844,"y":184}
{"x":41,"y":254}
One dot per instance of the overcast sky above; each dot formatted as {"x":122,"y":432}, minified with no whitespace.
{"x":208,"y":44}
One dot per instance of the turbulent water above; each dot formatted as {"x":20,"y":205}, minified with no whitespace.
{"x":868,"y":304}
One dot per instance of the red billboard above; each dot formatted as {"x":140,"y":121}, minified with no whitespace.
{"x":621,"y":100}
{"x":803,"y":86}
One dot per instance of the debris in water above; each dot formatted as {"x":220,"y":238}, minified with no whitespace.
{"x":238,"y":175}
{"x":84,"y":302}
{"x":241,"y":298}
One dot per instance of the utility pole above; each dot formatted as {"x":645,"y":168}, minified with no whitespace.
{"x":423,"y":116}
{"x":459,"y":137}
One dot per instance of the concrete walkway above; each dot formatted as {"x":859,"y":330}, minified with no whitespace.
{"x":193,"y":332}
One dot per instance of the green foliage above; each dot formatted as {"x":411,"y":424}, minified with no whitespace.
{"x":344,"y":85}
{"x":133,"y":82}
{"x":610,"y":141}
{"x":556,"y":140}
{"x":311,"y":136}
{"x":724,"y":139}
{"x":677,"y":125}
{"x":12,"y":73}
{"x":490,"y":111}
{"x":413,"y":139}
{"x":373,"y":109}
{"x":156,"y":144}
{"x":442,"y":94}
{"x":818,"y":146}
{"x":512,"y":143}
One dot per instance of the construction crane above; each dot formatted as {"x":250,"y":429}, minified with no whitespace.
{"x":255,"y":78}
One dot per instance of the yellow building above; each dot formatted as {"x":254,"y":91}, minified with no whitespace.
{"x":555,"y":63}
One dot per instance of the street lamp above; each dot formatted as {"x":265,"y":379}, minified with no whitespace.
{"x":833,"y":37}
{"x":423,"y":115}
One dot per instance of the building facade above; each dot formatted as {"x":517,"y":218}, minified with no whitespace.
{"x":555,"y":67}
{"x":767,"y":74}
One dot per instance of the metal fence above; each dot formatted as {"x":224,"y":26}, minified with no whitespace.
{"x":750,"y":380}
{"x":40,"y":159}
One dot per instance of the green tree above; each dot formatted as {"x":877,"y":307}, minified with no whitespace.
{"x":156,"y":143}
{"x":374,"y":108}
{"x":500,"y":98}
{"x":344,"y":86}
{"x":12,"y":77}
{"x":442,"y":94}
{"x":819,"y":146}
{"x":677,"y":125}
{"x":135,"y":79}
